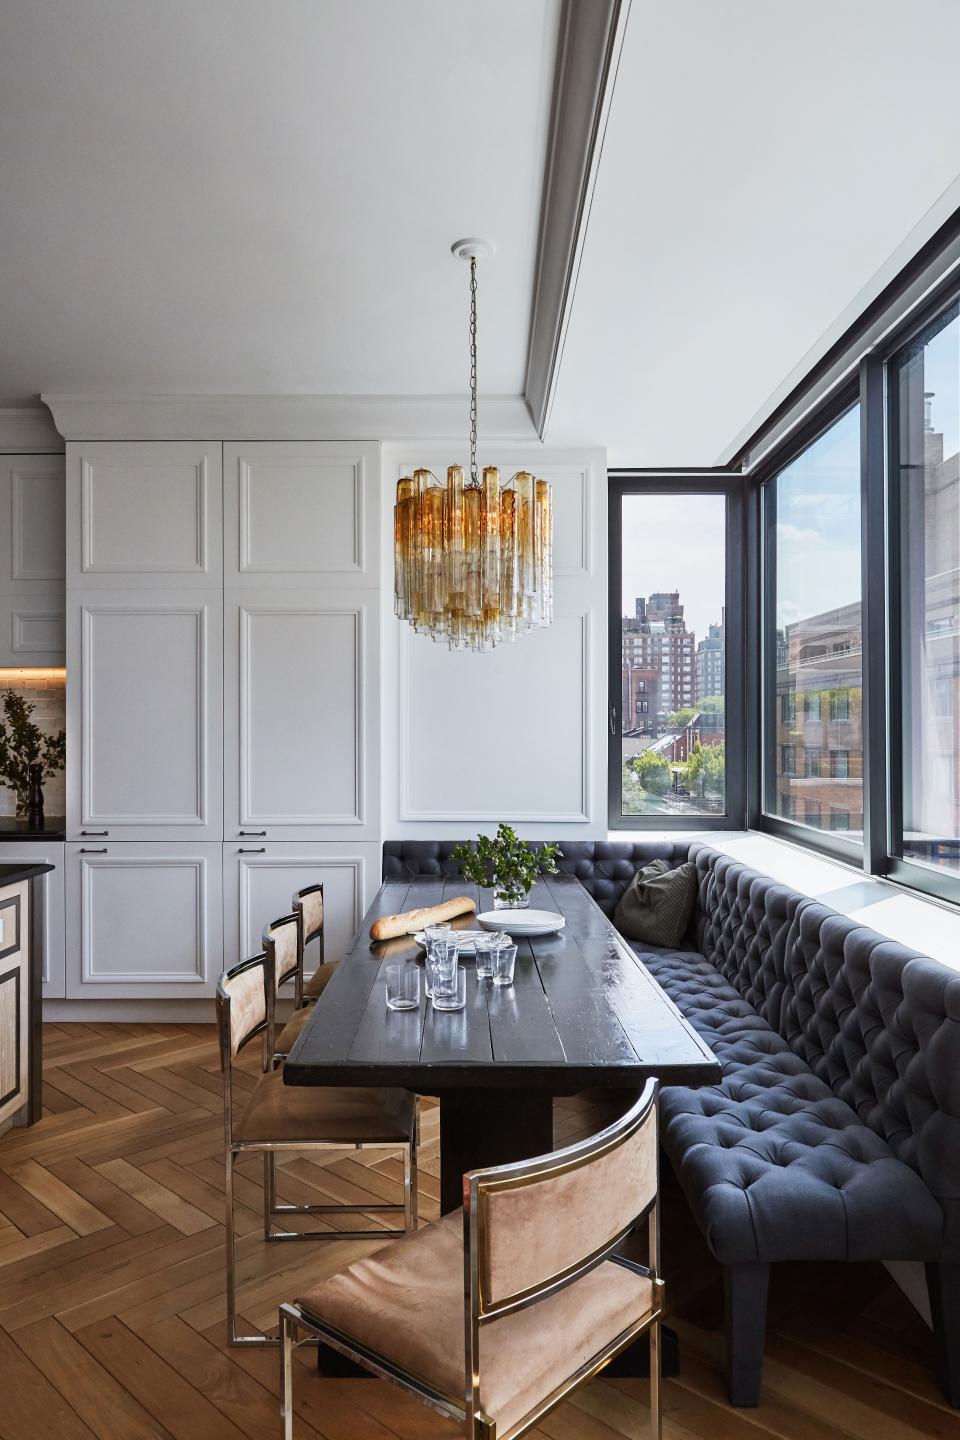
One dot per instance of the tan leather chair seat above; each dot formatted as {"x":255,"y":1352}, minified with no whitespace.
{"x":316,"y":1113}
{"x":291,"y":1031}
{"x":320,"y":979}
{"x":405,"y":1302}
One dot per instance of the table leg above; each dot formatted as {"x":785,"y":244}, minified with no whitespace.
{"x":489,"y":1127}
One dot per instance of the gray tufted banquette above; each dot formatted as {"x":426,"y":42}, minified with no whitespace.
{"x":835,"y":1131}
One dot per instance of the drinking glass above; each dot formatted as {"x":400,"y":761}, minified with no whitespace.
{"x":485,"y":946}
{"x":443,"y":956}
{"x":432,"y":933}
{"x":450,"y":991}
{"x":504,"y":960}
{"x":403,"y":987}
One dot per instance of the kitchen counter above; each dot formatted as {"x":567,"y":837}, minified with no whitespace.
{"x":20,"y":870}
{"x":17,"y":828}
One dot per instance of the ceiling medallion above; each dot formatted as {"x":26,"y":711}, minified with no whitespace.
{"x":473,"y":559}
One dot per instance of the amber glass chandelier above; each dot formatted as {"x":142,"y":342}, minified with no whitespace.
{"x":473,"y":559}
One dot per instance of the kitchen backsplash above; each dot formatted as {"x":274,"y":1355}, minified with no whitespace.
{"x":49,"y":695}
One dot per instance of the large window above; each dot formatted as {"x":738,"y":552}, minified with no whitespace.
{"x":670,"y":654}
{"x":814,"y":634}
{"x":925,"y":394}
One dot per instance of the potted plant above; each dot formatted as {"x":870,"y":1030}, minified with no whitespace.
{"x":27,"y":755}
{"x":507,"y":865}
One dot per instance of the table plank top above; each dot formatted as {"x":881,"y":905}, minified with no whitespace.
{"x":583,"y":1011}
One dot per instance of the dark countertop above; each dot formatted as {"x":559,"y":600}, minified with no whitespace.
{"x":12,"y":828}
{"x":13,"y":873}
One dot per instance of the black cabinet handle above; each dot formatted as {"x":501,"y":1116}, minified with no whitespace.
{"x":87,"y":850}
{"x":253,"y":832}
{"x":98,"y":833}
{"x":253,"y":850}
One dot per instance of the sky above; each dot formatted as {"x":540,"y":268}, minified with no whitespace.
{"x":676,"y":542}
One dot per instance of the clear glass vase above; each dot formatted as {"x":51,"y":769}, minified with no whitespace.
{"x":510,"y":899}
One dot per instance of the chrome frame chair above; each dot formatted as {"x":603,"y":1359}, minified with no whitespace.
{"x":299,"y":1327}
{"x":234,"y":1034}
{"x":283,"y":946}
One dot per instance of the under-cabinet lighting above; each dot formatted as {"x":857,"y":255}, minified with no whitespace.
{"x":32,"y":672}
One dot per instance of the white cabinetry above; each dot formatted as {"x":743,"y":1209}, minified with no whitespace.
{"x":303,"y":514}
{"x":144,"y":920}
{"x":146,"y":515}
{"x":259,"y":882}
{"x":300,"y":737}
{"x":144,"y":713}
{"x":31,"y":560}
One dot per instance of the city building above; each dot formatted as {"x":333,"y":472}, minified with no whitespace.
{"x":819,"y":761}
{"x":709,"y":663}
{"x":657,"y":662}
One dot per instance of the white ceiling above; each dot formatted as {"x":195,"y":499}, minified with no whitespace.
{"x":260,"y":195}
{"x":760,"y":163}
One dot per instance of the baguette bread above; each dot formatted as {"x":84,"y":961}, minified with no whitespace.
{"x":409,"y":921}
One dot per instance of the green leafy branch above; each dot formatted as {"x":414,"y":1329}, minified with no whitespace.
{"x":506,"y":861}
{"x":22,"y":744}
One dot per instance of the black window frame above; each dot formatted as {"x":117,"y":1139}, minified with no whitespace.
{"x":729,"y":484}
{"x":865,"y":379}
{"x":763,"y":816}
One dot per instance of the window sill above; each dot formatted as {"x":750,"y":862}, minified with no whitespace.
{"x":929,"y":926}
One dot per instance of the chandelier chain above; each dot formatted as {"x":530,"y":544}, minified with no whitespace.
{"x":474,"y":474}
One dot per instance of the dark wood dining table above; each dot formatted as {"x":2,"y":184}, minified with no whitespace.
{"x":582,"y":1013}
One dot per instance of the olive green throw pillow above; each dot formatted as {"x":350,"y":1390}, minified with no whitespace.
{"x":657,"y":904}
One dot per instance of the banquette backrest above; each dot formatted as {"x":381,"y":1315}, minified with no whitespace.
{"x":604,"y":868}
{"x":876,"y":1021}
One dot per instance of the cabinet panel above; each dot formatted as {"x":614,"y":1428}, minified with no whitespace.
{"x":37,"y":505}
{"x":300,"y":742}
{"x":143,"y":920}
{"x":301,"y":514}
{"x":31,"y":560}
{"x":258,"y":886}
{"x":144,"y":515}
{"x":39,"y":853}
{"x":144,"y":712}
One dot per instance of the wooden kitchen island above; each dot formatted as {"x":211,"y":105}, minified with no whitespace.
{"x":21,"y":954}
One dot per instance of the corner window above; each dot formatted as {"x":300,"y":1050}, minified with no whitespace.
{"x":814,"y":634}
{"x":670,"y":652}
{"x":925,"y":396}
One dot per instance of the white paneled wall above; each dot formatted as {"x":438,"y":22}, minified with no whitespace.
{"x":517,"y":734}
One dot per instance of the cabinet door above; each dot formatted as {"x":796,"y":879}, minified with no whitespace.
{"x":14,"y":999}
{"x":143,"y":921}
{"x":38,"y":853}
{"x":301,"y":747}
{"x":144,"y":715}
{"x":259,"y":882}
{"x":32,"y":556}
{"x":145,"y":515}
{"x":301,"y":514}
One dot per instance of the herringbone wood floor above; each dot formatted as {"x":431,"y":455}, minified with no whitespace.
{"x":112,"y":1285}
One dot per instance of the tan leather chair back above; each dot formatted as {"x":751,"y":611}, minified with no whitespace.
{"x":280,"y":937}
{"x":310,"y":904}
{"x":241,"y":1005}
{"x":547,"y":1218}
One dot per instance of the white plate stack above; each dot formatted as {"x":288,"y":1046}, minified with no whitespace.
{"x":522,"y":922}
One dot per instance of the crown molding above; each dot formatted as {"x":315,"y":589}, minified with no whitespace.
{"x":591,"y":42}
{"x":28,"y":430}
{"x":285,"y":417}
